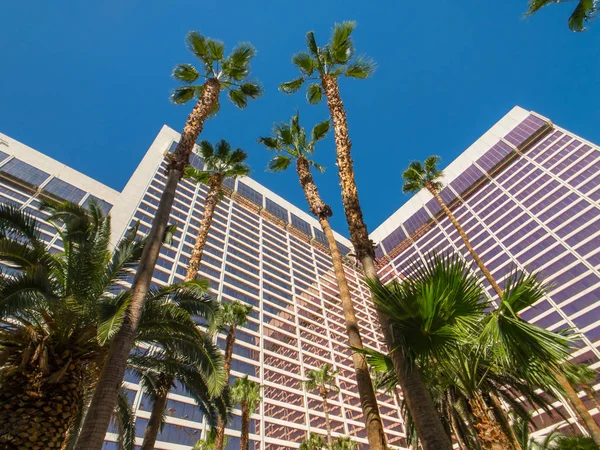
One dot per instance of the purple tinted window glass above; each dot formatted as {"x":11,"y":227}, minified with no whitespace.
{"x":276,"y":209}
{"x":433,"y":206}
{"x":582,"y":220}
{"x":3,"y":156}
{"x":394,"y":238}
{"x":229,"y":183}
{"x":301,"y":224}
{"x":549,"y":320}
{"x":343,"y":249}
{"x":24,"y":172}
{"x":588,"y":318}
{"x":379,"y":252}
{"x":196,"y":161}
{"x":320,"y":236}
{"x":106,"y":207}
{"x":64,"y":190}
{"x":447,"y":195}
{"x":251,"y":194}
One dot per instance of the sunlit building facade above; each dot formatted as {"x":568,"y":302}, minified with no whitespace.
{"x":525,"y":192}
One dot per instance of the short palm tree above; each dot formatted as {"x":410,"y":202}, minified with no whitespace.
{"x":344,"y":443}
{"x":60,"y":312}
{"x":325,"y":65}
{"x":427,"y":176}
{"x":232,"y":316}
{"x":313,"y":442}
{"x":221,"y":163}
{"x":292,"y":144}
{"x":505,"y":330}
{"x":247,"y":394}
{"x":209,"y":442}
{"x":197,"y":366}
{"x":583,"y":12}
{"x":441,"y":312}
{"x":323,"y":381}
{"x":218,"y":73}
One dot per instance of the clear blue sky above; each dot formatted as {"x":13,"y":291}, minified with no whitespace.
{"x":87,"y":82}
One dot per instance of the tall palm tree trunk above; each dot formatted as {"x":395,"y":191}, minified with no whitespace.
{"x":466,"y":241}
{"x":244,"y":440}
{"x":429,"y":427}
{"x":327,"y":423}
{"x":579,"y":407}
{"x":488,"y":430}
{"x":221,"y":424}
{"x":212,"y":198}
{"x":164,"y":383}
{"x":503,"y":419}
{"x":105,"y":395}
{"x":368,"y":400}
{"x":36,"y":414}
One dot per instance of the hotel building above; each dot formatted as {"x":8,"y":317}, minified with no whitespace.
{"x":526,"y":192}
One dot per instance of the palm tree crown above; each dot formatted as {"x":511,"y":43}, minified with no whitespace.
{"x":337,"y":57}
{"x":221,"y":162}
{"x":322,"y":380}
{"x":247,"y":391}
{"x":230,"y":72}
{"x":291,"y":143}
{"x":583,"y":12}
{"x":419,"y":176}
{"x":233,"y":315}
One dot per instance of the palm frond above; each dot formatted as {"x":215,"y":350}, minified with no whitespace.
{"x":182,"y":94}
{"x":196,"y":175}
{"x":271,"y":143}
{"x":238,"y":98}
{"x":290,"y":87}
{"x":341,"y":42}
{"x":320,"y":130}
{"x":304,"y":62}
{"x":279,"y":163}
{"x":186,"y":73}
{"x":314,"y":94}
{"x":251,"y":89}
{"x":361,"y":68}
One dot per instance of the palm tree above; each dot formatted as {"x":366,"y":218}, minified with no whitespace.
{"x":221,"y":163}
{"x":427,"y":176}
{"x":313,"y":442}
{"x":218,"y":73}
{"x":441,"y":313}
{"x":209,"y":443}
{"x":344,"y":443}
{"x":60,"y":312}
{"x":247,"y":394}
{"x":291,"y":144}
{"x":583,"y":12}
{"x":201,"y":377}
{"x":323,"y":381}
{"x":325,"y":65}
{"x":524,"y":292}
{"x":232,"y":315}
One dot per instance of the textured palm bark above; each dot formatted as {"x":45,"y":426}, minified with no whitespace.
{"x":106,"y":392}
{"x":466,"y":241}
{"x":164,"y":383}
{"x":502,"y":417}
{"x":489,"y":431}
{"x":36,"y":414}
{"x":244,"y":439}
{"x":368,"y":400}
{"x":327,"y":423}
{"x":221,"y":424}
{"x":579,"y":406}
{"x":212,"y":199}
{"x":356,"y":224}
{"x":429,"y":428}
